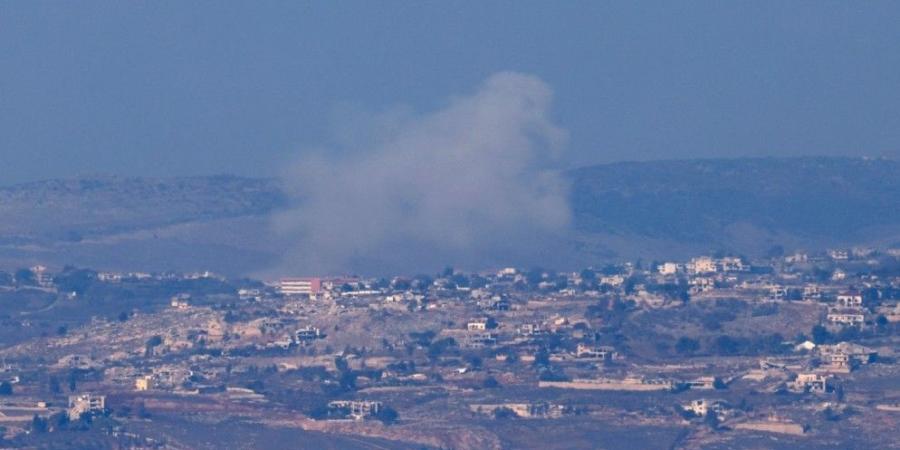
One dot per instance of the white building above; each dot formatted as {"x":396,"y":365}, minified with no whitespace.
{"x":850,"y":299}
{"x":613,"y":280}
{"x":589,"y":352}
{"x":85,"y":403}
{"x":796,"y":258}
{"x":809,"y":382}
{"x":41,"y":276}
{"x":702,"y":284}
{"x":357,"y":409}
{"x":732,"y":264}
{"x":812,"y":292}
{"x":703,"y":264}
{"x":668,"y":268}
{"x":698,"y":408}
{"x":307,"y":334}
{"x":480,"y":339}
{"x":249,"y":294}
{"x":851,"y":317}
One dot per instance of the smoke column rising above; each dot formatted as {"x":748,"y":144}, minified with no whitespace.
{"x":466,"y":185}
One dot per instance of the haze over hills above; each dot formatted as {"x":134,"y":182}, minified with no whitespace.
{"x":623,"y":210}
{"x":737,"y":205}
{"x":88,"y":207}
{"x":113,"y":222}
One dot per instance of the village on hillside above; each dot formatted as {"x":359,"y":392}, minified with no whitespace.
{"x":795,"y":349}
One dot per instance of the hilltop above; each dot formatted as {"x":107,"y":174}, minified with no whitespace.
{"x":622,"y":210}
{"x":140,"y":223}
{"x":737,"y":205}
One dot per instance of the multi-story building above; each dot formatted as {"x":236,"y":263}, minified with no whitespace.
{"x":357,"y":409}
{"x":850,"y":299}
{"x":300,"y":287}
{"x":85,"y":404}
{"x":846,"y":316}
{"x":307,"y":334}
{"x":668,"y":268}
{"x":703,"y":264}
{"x":590,"y":352}
{"x":809,"y":382}
{"x":480,"y":339}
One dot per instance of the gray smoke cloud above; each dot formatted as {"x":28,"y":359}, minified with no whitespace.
{"x":467,"y":185}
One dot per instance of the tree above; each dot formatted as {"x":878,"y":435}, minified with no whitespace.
{"x":39,"y":424}
{"x":711,"y":420}
{"x":422,"y":339}
{"x":387,"y":415}
{"x":53,"y":385}
{"x":422,"y":282}
{"x":820,"y":334}
{"x":686,"y":345}
{"x":6,"y":388}
{"x":141,"y":410}
{"x":73,"y":381}
{"x":588,"y":274}
{"x":25,"y":277}
{"x":230,"y":317}
{"x":629,"y":285}
{"x":401,"y":284}
{"x":437,"y":348}
{"x":542,"y":358}
{"x":347,"y":380}
{"x":75,"y":280}
{"x":477,"y":282}
{"x":727,"y":345}
{"x":534,"y":276}
{"x":381,"y":283}
{"x":60,"y":420}
{"x":152,"y":343}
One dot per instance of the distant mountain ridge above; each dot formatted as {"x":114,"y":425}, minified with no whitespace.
{"x":72,"y":209}
{"x":660,"y":209}
{"x":804,"y":201}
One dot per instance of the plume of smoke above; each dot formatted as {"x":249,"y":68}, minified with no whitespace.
{"x":467,"y":185}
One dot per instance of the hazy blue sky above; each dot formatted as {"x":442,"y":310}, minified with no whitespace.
{"x":209,"y":87}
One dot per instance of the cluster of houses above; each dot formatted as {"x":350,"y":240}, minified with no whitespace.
{"x":537,"y":317}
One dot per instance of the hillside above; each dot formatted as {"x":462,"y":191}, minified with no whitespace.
{"x":94,"y":206}
{"x":623,"y":210}
{"x":139,"y":223}
{"x":740,"y":205}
